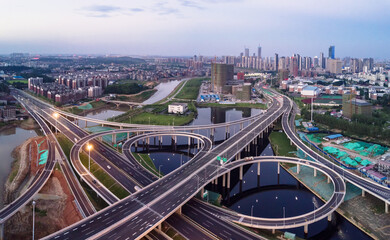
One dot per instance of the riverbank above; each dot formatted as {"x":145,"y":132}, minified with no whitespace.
{"x":362,"y":212}
{"x":55,"y":207}
{"x":28,"y":124}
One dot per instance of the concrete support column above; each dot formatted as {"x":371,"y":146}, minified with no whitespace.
{"x":212,"y":132}
{"x":329,"y":217}
{"x":273,"y":231}
{"x":306,"y":228}
{"x":216,"y":181}
{"x":228,"y":180}
{"x":278,"y":168}
{"x":386,"y":207}
{"x":298,"y":168}
{"x":197,"y":141}
{"x":241,"y":126}
{"x":328,"y":180}
{"x":136,"y":144}
{"x":159,"y":227}
{"x":179,"y":211}
{"x":128,"y":135}
{"x":258,"y":169}
{"x":2,"y":231}
{"x":223,"y":180}
{"x":201,"y":192}
{"x":241,"y":172}
{"x":86,"y":123}
{"x":114,"y":138}
{"x":363,"y":193}
{"x":189,"y":141}
{"x":315,"y":172}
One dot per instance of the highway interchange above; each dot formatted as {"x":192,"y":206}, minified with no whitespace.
{"x":144,"y":210}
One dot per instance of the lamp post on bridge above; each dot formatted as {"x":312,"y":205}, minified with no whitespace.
{"x":89,"y":147}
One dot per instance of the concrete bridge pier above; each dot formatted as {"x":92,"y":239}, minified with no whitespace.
{"x":160,"y":140}
{"x":128,"y":136}
{"x":86,"y":123}
{"x":228,"y":180}
{"x":178,"y":211}
{"x":363,"y":193}
{"x":201,"y":192}
{"x":216,"y":181}
{"x":328,"y":180}
{"x":306,"y":229}
{"x":2,"y":231}
{"x":241,"y":126}
{"x":189,"y":141}
{"x":227,"y":132}
{"x":113,"y":139}
{"x":258,"y":169}
{"x":278,"y":168}
{"x":241,"y":172}
{"x":329,"y":217}
{"x":298,"y":168}
{"x":197,"y":141}
{"x":386,"y":207}
{"x":223,"y":180}
{"x":315,"y":172}
{"x":159,"y":227}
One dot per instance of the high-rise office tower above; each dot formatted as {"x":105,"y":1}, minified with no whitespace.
{"x":246,"y":52}
{"x":259,"y":52}
{"x":220,"y":75}
{"x":276,"y":62}
{"x":315,"y":62}
{"x":322,"y":60}
{"x":331,"y":52}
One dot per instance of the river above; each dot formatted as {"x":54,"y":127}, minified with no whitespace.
{"x":163,"y":90}
{"x":9,"y":139}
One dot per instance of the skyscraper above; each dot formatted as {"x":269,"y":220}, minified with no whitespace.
{"x":259,"y":52}
{"x":246,"y":52}
{"x":220,"y":75}
{"x":322,"y":60}
{"x":276,"y":63}
{"x":331,"y":52}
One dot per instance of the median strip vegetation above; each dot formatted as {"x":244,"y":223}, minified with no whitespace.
{"x":281,"y":144}
{"x":96,"y":170}
{"x":146,"y":162}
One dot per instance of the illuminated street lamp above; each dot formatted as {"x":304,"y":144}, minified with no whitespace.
{"x":89,"y":147}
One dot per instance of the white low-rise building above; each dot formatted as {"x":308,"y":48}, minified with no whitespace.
{"x":177,"y":108}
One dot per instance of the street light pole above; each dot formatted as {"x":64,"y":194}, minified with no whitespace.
{"x":33,"y":228}
{"x":252,"y":215}
{"x":159,"y":167}
{"x":89,"y":147}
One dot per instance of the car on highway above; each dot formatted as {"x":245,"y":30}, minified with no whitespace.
{"x":108,"y":166}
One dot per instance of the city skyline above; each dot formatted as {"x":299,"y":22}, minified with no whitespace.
{"x":185,"y":27}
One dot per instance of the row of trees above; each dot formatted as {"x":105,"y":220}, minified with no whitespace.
{"x":125,"y":88}
{"x":360,"y":128}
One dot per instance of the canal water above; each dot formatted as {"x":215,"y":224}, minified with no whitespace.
{"x":275,"y":196}
{"x":163,"y":90}
{"x":9,"y":139}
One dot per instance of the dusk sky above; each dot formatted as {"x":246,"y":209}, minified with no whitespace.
{"x":358,"y":28}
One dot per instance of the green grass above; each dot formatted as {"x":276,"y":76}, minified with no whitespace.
{"x":19,"y":81}
{"x":14,"y":172}
{"x":281,"y":144}
{"x":191,"y":89}
{"x":98,"y":104}
{"x":146,"y":162}
{"x":237,"y":105}
{"x":104,"y":178}
{"x":99,"y":173}
{"x":161,"y":119}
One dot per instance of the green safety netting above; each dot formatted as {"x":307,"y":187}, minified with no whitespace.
{"x":349,"y":161}
{"x":43,"y":157}
{"x":314,"y":138}
{"x":107,"y":138}
{"x":331,"y":150}
{"x":85,"y":107}
{"x":341,"y":154}
{"x":366,"y":149}
{"x":365,"y":162}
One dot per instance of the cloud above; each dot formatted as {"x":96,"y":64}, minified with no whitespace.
{"x":191,"y":4}
{"x":162,"y":8}
{"x":108,"y":11}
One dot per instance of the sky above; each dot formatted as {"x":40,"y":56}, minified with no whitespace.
{"x":358,"y":28}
